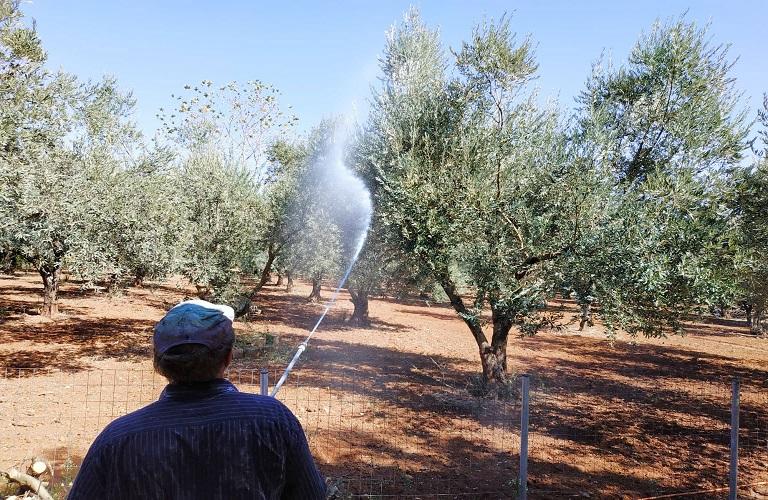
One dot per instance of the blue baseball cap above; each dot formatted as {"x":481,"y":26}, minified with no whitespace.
{"x":195,"y":322}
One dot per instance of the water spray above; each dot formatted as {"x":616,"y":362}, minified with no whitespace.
{"x":346,"y":178}
{"x":303,"y":346}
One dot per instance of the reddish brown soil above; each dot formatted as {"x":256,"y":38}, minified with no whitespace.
{"x":387,"y":409}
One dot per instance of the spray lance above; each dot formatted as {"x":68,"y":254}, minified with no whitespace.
{"x":351,"y":183}
{"x":303,"y":346}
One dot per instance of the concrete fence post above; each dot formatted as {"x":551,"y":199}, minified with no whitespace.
{"x":264,"y":382}
{"x":523,"y":479}
{"x":734,"y":470}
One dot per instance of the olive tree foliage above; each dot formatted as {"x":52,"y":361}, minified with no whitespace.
{"x":27,"y":121}
{"x":223,"y":217}
{"x":238,"y":121}
{"x":313,"y":234}
{"x":667,"y":128}
{"x":671,"y":107}
{"x":480,"y":184}
{"x":133,"y":224}
{"x":749,"y":202}
{"x":59,"y":141}
{"x":287,"y":161}
{"x":229,"y":194}
{"x":289,"y":201}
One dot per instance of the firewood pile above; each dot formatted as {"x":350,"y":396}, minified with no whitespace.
{"x":16,"y":484}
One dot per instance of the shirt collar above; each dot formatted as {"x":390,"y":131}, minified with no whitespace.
{"x":197,"y":390}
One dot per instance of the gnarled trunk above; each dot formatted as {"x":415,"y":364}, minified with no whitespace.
{"x":759,"y":323}
{"x":315,"y":295}
{"x":493,"y":355}
{"x":747,"y":307}
{"x":51,"y":276}
{"x":243,"y":303}
{"x":586,"y":315}
{"x":288,"y":281}
{"x":279,"y":279}
{"x":266,"y":272}
{"x":360,"y":314}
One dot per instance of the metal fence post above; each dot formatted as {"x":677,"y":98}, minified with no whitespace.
{"x":264,"y":382}
{"x":734,"y":471}
{"x":523,"y":479}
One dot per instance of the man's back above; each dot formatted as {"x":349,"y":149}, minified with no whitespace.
{"x":204,"y":440}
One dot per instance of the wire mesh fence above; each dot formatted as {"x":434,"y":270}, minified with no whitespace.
{"x":369,"y":436}
{"x":388,"y":436}
{"x":634,"y":438}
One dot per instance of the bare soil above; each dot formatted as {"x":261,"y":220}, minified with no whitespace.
{"x":388,"y":410}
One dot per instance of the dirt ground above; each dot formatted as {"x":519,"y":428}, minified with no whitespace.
{"x":388,"y":409}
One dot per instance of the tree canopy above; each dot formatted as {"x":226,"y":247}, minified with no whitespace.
{"x":491,"y":191}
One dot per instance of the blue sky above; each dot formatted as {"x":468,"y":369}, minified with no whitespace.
{"x":322,"y":55}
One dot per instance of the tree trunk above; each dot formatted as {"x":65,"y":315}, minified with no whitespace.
{"x":748,"y":311}
{"x":113,"y":283}
{"x":724,"y":310}
{"x":360,"y":314}
{"x":315,"y":295}
{"x":243,"y":304}
{"x":586,"y":315}
{"x":493,"y":356}
{"x":138,"y":277}
{"x":50,"y":275}
{"x":279,"y":279}
{"x":759,"y":324}
{"x":288,"y":281}
{"x":266,"y":272}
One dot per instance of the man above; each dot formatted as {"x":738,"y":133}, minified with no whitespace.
{"x":202,"y":438}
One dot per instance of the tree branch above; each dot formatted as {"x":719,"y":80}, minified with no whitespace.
{"x":535,"y":259}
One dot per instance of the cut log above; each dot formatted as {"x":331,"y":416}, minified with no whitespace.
{"x":32,"y":483}
{"x":38,"y":467}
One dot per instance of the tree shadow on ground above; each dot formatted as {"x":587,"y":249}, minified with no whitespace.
{"x":608,"y":407}
{"x":414,"y":302}
{"x":14,"y":309}
{"x":370,"y":463}
{"x":61,"y":344}
{"x":643,"y":360}
{"x":605,"y":418}
{"x":295,"y":311}
{"x":443,"y":314}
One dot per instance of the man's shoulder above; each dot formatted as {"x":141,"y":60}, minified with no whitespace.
{"x":259,"y":403}
{"x":165,"y":414}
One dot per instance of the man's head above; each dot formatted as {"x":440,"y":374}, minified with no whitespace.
{"x":193,"y":341}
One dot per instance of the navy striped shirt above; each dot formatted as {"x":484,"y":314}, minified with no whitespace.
{"x":204,"y":440}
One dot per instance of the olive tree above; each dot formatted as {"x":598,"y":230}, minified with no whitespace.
{"x":749,"y":241}
{"x":238,"y":121}
{"x":466,"y":176}
{"x":666,"y":126}
{"x":313,"y":231}
{"x":222,"y":135}
{"x":223,"y":215}
{"x":382,"y":268}
{"x":671,"y":107}
{"x":58,"y":137}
